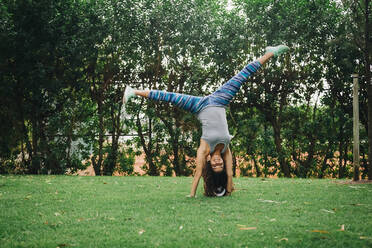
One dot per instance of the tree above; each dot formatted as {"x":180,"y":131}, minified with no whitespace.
{"x":40,"y":62}
{"x":296,"y":77}
{"x":175,"y":45}
{"x":113,"y":32}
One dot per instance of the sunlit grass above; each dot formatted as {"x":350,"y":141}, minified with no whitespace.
{"x":71,"y":211}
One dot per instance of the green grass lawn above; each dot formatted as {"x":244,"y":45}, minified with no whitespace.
{"x":72,"y":211}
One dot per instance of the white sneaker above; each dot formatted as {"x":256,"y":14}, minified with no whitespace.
{"x":128,"y":94}
{"x":277,"y":50}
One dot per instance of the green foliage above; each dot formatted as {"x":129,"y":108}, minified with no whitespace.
{"x":126,"y":161}
{"x":64,"y":66}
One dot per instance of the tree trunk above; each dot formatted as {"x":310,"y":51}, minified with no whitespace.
{"x":97,"y":163}
{"x":364,"y":165}
{"x":109,"y":167}
{"x":152,"y":170}
{"x":310,"y":157}
{"x":35,"y":162}
{"x":295,"y":157}
{"x":26,"y":139}
{"x":284,"y":167}
{"x":327,"y":156}
{"x":50,"y":162}
{"x":342,"y":148}
{"x":24,"y":131}
{"x":179,"y":167}
{"x":367,"y":68}
{"x":369,"y":129}
{"x":340,"y":159}
{"x":234,"y":163}
{"x":175,"y":147}
{"x":311,"y":150}
{"x":345,"y":158}
{"x":266,"y":159}
{"x":367,"y":72}
{"x":69,"y":142}
{"x":258,"y":171}
{"x":176,"y":161}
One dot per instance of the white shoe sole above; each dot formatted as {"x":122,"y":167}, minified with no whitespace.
{"x":128,"y":93}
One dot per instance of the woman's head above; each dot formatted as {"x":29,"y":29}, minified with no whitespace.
{"x":217,"y":163}
{"x":214,"y":183}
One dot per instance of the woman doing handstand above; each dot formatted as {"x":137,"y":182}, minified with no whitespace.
{"x":215,"y":139}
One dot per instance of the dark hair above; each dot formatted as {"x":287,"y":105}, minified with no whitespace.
{"x":213,"y":180}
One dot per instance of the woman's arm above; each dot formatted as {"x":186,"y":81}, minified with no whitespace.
{"x":227,"y":157}
{"x":201,"y":158}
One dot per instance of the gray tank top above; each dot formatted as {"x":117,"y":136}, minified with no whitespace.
{"x":214,"y":127}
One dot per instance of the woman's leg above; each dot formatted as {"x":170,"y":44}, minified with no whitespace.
{"x":194,"y":104}
{"x":186,"y":102}
{"x":143,"y":93}
{"x":224,"y":95}
{"x":266,"y":57}
{"x":221,"y":97}
{"x":227,"y":91}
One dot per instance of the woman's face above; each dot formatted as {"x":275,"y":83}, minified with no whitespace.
{"x":217,"y":163}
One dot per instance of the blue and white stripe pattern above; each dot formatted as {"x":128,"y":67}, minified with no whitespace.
{"x":222,"y":97}
{"x":187,"y":102}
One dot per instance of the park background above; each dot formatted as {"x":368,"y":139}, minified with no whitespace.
{"x":64,"y":66}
